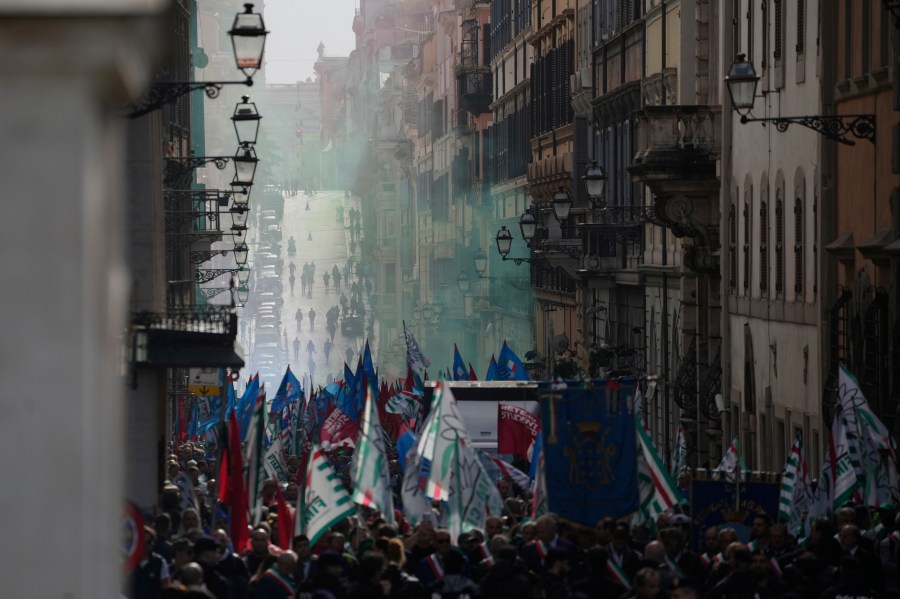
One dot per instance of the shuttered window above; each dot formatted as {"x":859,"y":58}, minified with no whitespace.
{"x":779,"y":244}
{"x":763,"y":247}
{"x":732,"y":247}
{"x":798,"y":247}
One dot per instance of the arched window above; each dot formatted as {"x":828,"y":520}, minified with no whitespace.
{"x":746,"y":215}
{"x":732,"y":247}
{"x":763,"y":246}
{"x":779,"y":243}
{"x":798,"y":247}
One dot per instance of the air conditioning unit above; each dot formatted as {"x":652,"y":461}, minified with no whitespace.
{"x":559,"y":344}
{"x":591,"y":262}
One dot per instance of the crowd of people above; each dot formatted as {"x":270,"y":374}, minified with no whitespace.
{"x":189,"y":553}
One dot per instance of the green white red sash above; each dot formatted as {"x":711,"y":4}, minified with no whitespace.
{"x":617,"y":573}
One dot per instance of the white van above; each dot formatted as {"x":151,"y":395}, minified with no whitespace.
{"x":479,"y":402}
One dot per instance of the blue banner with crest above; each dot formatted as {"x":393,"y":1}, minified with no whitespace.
{"x":590,"y":450}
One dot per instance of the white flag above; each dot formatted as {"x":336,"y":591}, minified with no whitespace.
{"x":843,"y":477}
{"x":732,"y":462}
{"x":372,"y":480}
{"x":323,"y":500}
{"x":416,"y":507}
{"x":679,"y":454}
{"x":274,"y":462}
{"x":415,"y":359}
{"x":443,"y":431}
{"x":256,"y":452}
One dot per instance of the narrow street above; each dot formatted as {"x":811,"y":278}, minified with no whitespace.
{"x":320,"y":227}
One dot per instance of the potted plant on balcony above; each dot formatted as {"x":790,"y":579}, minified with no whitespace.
{"x":567,"y":368}
{"x":600,"y":358}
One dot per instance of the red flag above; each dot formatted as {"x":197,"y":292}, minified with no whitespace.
{"x":231,"y":485}
{"x":472,"y":376}
{"x":517,"y":429}
{"x":285,"y":521}
{"x":337,"y":430}
{"x":182,"y":420}
{"x":388,"y":421}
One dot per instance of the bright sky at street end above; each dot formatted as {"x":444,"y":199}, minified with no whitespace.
{"x":296,"y":27}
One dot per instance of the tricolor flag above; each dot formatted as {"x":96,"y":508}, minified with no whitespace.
{"x":323,"y":500}
{"x":506,"y":470}
{"x":732,"y":462}
{"x":794,"y":490}
{"x":372,"y":480}
{"x":666,"y":493}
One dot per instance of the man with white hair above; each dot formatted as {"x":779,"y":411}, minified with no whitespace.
{"x":278,"y":581}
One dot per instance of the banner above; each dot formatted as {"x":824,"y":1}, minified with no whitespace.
{"x":720,"y":503}
{"x":338,"y":429}
{"x":517,"y":428}
{"x":274,"y":462}
{"x":590,"y":451}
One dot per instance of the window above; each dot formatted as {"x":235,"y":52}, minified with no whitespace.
{"x":764,"y":19}
{"x":801,"y":28}
{"x":779,"y":32}
{"x":749,"y":17}
{"x":736,"y":27}
{"x":746,"y":215}
{"x":866,"y":39}
{"x":848,"y":38}
{"x":798,"y":247}
{"x":779,"y":243}
{"x":763,"y":246}
{"x":732,"y":247}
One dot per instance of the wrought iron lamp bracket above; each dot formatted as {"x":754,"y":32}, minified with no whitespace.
{"x":200,"y":256}
{"x":835,"y":126}
{"x":205,"y":275}
{"x":211,"y":292}
{"x":161,"y":93}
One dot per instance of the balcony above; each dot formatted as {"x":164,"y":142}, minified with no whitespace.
{"x":605,"y":241}
{"x":185,"y":339}
{"x":474,"y":83}
{"x":678,"y":148}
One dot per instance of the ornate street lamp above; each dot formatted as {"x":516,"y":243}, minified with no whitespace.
{"x":248,"y":40}
{"x":246,"y":120}
{"x":245,"y":162}
{"x":240,"y":254}
{"x":417,"y":314}
{"x":480,"y":263}
{"x":239,"y":216}
{"x":504,"y":241}
{"x":240,"y":195}
{"x":462,"y":281}
{"x":527,"y":226}
{"x":562,"y":204}
{"x":239,"y":235}
{"x":742,"y":81}
{"x":595,"y":184}
{"x":243,"y":275}
{"x":243,"y":294}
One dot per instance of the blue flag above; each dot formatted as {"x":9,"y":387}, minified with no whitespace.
{"x":369,"y":368}
{"x":509,"y":365}
{"x":289,"y":392}
{"x":535,"y":454}
{"x":590,"y":451}
{"x":244,"y":407}
{"x":492,"y":371}
{"x":230,"y":398}
{"x":405,"y":442}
